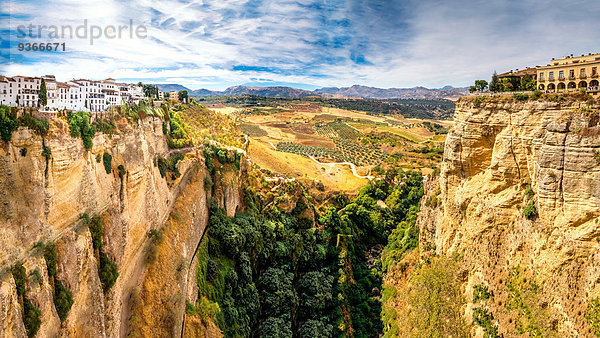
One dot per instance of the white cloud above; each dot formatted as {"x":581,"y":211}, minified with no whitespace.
{"x":429,"y":43}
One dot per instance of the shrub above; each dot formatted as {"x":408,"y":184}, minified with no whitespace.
{"x":50,"y":258}
{"x":8,"y":123}
{"x":121,"y":170}
{"x":536,"y":94}
{"x":98,"y":158}
{"x":63,"y":299}
{"x":39,"y":127}
{"x":529,"y":192}
{"x":484,"y":319}
{"x":190,"y":309}
{"x":95,"y":226}
{"x":107,"y":159}
{"x":521,"y":97}
{"x":592,"y":314}
{"x":20,"y":277}
{"x":107,"y":271}
{"x":155,"y":235}
{"x":46,"y":152}
{"x":208,"y":182}
{"x":529,"y":212}
{"x":31,"y":318}
{"x":81,"y":127}
{"x":480,"y":292}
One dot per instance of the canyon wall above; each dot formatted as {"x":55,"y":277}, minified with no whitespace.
{"x":44,"y":200}
{"x":501,"y":156}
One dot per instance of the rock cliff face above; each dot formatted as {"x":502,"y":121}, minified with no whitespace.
{"x":43,"y":201}
{"x":496,"y":151}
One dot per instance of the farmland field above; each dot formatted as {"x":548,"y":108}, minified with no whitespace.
{"x":284,"y":139}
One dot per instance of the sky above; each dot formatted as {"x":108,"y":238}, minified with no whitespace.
{"x":307,"y":44}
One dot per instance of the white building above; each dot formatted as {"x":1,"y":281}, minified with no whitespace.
{"x":76,"y":95}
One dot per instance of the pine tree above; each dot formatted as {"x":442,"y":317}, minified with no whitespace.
{"x":495,"y":85}
{"x":43,"y":95}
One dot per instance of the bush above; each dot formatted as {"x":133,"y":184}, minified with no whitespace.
{"x":536,"y":94}
{"x":484,"y":319}
{"x":190,"y":309}
{"x":31,"y":318}
{"x":480,"y":292}
{"x":592,"y":314}
{"x":40,"y":127}
{"x":107,"y":271}
{"x":121,"y":170}
{"x":95,"y":226}
{"x":50,"y":258}
{"x":20,"y":277}
{"x":8,"y":123}
{"x":63,"y":299}
{"x":208,"y":182}
{"x":155,"y":235}
{"x":521,"y":97}
{"x":46,"y":152}
{"x":98,"y":158}
{"x":107,"y":159}
{"x":529,"y":212}
{"x":81,"y":127}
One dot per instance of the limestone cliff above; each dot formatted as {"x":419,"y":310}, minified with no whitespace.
{"x":43,"y":201}
{"x":501,"y":156}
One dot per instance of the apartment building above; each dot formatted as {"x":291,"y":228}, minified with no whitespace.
{"x":77,"y":94}
{"x":570,"y":74}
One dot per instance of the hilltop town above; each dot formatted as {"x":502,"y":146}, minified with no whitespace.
{"x":51,"y":96}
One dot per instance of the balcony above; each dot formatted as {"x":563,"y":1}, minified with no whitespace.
{"x":571,"y":77}
{"x":542,"y":80}
{"x":594,"y":75}
{"x":561,"y":78}
{"x":582,"y":76}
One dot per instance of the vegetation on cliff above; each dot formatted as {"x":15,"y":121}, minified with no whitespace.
{"x":276,"y":273}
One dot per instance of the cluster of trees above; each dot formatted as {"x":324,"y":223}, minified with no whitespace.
{"x":277,"y":274}
{"x":506,"y":84}
{"x":81,"y":127}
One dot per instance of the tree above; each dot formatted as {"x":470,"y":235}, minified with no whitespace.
{"x":527,"y":82}
{"x":8,"y":123}
{"x":43,"y":95}
{"x":495,"y":85}
{"x":183,"y":94}
{"x":472,"y":89}
{"x":150,"y":91}
{"x":481,"y":85}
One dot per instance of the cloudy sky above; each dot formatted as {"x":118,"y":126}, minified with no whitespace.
{"x":305,"y":43}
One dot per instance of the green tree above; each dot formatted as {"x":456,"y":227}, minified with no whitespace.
{"x":183,"y":94}
{"x":63,"y":299}
{"x":8,"y":123}
{"x":495,"y":85}
{"x":43,"y":95}
{"x":481,"y":85}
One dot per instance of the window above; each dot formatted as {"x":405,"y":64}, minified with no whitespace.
{"x":572,"y":73}
{"x":582,"y":72}
{"x":541,"y":76}
{"x":561,"y":74}
{"x":594,"y":71}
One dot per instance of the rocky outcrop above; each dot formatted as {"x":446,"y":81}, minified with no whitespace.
{"x":43,"y":201}
{"x":502,"y":155}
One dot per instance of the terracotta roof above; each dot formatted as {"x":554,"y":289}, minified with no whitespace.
{"x":519,"y":73}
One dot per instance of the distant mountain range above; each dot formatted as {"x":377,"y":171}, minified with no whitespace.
{"x":446,"y":92}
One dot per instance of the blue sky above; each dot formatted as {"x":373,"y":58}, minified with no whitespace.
{"x":305,"y":43}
